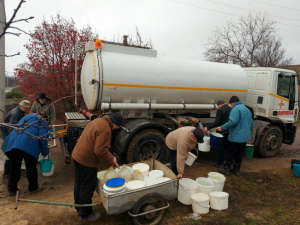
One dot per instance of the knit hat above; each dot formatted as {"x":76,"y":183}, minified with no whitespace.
{"x":25,"y":103}
{"x":199,"y":134}
{"x":116,"y":118}
{"x":42,"y":96}
{"x":220,"y":102}
{"x":234,"y":99}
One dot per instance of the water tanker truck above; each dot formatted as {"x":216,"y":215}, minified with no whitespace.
{"x":158,"y":94}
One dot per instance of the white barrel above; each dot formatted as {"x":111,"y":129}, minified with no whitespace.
{"x":133,"y":75}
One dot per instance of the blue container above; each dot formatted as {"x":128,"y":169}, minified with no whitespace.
{"x":45,"y":165}
{"x":115,"y":182}
{"x":215,"y":139}
{"x":296,"y":170}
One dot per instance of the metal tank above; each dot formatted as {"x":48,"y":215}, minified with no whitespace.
{"x":120,"y":78}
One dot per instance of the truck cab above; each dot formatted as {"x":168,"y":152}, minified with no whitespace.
{"x":273,"y":99}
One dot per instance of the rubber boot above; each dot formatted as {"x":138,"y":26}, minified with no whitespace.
{"x":236,"y":169}
{"x":225,"y":169}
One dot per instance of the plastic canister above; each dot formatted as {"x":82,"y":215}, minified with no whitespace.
{"x":219,"y":180}
{"x":206,"y":184}
{"x":110,"y":173}
{"x":187,"y":187}
{"x":200,"y":203}
{"x":137,"y":175}
{"x":125,"y":173}
{"x":219,"y":200}
{"x":100,"y":176}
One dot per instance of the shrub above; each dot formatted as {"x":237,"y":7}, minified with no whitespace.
{"x":15,"y":93}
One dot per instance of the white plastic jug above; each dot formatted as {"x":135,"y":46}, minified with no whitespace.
{"x":200,"y":203}
{"x":110,"y":173}
{"x":187,"y":187}
{"x":125,"y":173}
{"x":137,"y":175}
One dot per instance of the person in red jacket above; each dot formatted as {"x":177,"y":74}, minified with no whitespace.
{"x":90,"y":150}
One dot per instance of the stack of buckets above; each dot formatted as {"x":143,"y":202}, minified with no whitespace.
{"x":204,"y":193}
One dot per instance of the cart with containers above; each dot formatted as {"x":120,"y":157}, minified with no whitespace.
{"x":145,"y":205}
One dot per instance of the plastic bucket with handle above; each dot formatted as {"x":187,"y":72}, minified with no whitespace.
{"x":45,"y":165}
{"x":215,"y":139}
{"x":200,"y":203}
{"x":249,"y":151}
{"x":204,"y":147}
{"x":190,"y":159}
{"x":187,"y":187}
{"x":219,"y":180}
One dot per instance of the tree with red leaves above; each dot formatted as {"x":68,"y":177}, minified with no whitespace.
{"x":51,"y":56}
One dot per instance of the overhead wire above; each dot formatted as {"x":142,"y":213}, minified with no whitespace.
{"x":249,"y":10}
{"x":280,"y":6}
{"x":183,"y":3}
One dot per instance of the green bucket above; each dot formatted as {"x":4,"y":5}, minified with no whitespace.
{"x":249,"y":151}
{"x":45,"y":165}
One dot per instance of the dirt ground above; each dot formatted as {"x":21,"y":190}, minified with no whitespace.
{"x":245,"y":207}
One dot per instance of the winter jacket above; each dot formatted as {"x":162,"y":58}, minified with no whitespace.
{"x":12,"y":117}
{"x":92,"y":146}
{"x":222,"y":117}
{"x":180,"y":140}
{"x":240,"y":124}
{"x":26,"y":143}
{"x":47,"y":108}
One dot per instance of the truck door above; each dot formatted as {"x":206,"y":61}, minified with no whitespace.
{"x":285,"y":105}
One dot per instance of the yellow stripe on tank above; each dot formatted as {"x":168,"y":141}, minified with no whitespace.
{"x":175,"y":88}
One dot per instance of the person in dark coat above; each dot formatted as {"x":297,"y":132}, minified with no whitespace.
{"x":44,"y":105}
{"x":222,"y":117}
{"x":90,"y":150}
{"x":13,"y":117}
{"x":240,"y":126}
{"x":22,"y":146}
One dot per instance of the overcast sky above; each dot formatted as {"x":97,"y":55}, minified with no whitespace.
{"x":176,"y":28}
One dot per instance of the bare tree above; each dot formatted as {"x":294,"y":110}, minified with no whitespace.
{"x":9,"y":25}
{"x":252,"y":41}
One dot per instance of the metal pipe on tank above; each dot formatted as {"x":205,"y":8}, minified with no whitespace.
{"x":120,"y":106}
{"x":88,"y":114}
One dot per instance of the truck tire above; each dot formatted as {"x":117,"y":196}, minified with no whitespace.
{"x":147,"y":144}
{"x":270,"y":142}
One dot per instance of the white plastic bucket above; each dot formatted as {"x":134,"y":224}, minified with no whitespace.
{"x":204,"y":147}
{"x":100,"y":176}
{"x":219,"y":180}
{"x":200,"y":203}
{"x":190,"y":159}
{"x":205,"y":185}
{"x":219,"y":200}
{"x":187,"y":187}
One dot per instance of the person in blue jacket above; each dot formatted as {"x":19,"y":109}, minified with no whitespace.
{"x":240,"y":126}
{"x":25,"y":145}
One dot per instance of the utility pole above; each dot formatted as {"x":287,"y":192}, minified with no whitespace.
{"x":2,"y":61}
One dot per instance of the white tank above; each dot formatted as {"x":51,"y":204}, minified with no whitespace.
{"x":133,"y":77}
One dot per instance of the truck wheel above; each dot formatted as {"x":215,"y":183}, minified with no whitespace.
{"x":147,"y":203}
{"x":147,"y":144}
{"x":270,"y":142}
